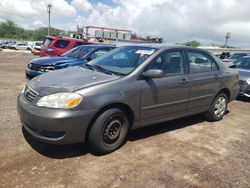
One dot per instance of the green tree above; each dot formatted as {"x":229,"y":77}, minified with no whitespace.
{"x":192,"y":43}
{"x":8,"y":29}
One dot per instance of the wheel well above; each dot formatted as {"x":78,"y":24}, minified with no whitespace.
{"x":122,"y":106}
{"x":226,"y":91}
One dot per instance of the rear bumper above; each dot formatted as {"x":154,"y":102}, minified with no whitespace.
{"x":56,"y":126}
{"x":244,"y":90}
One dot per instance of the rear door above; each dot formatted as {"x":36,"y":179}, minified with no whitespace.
{"x":204,"y":77}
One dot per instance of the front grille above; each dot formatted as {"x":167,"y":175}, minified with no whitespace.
{"x":34,"y":66}
{"x":41,"y":67}
{"x":30,"y":94}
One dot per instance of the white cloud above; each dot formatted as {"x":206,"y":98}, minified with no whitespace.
{"x":26,"y":12}
{"x":82,"y":4}
{"x":177,"y":20}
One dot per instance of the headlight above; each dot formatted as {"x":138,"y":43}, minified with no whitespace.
{"x":60,"y":100}
{"x":248,"y":81}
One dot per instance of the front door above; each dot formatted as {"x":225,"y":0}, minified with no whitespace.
{"x":167,"y":97}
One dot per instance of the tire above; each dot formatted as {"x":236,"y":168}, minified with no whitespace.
{"x":109,"y":131}
{"x":218,"y":108}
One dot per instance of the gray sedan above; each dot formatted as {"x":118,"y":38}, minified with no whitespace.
{"x":127,"y":88}
{"x":243,"y":66}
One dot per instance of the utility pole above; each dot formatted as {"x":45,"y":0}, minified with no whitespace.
{"x":227,"y":37}
{"x":49,"y":8}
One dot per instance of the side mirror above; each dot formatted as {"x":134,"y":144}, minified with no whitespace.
{"x":153,"y":73}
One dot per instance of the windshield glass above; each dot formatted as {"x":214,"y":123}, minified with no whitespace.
{"x":47,"y":41}
{"x":78,"y":52}
{"x":123,"y":60}
{"x":244,"y":63}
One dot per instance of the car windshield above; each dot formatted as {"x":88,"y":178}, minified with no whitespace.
{"x":78,"y":52}
{"x":244,"y":63}
{"x":123,"y":60}
{"x":236,"y":56}
{"x":47,"y":41}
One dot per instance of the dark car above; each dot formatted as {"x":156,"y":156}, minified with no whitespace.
{"x":129,"y":87}
{"x":76,"y":56}
{"x":243,"y":66}
{"x":236,"y":56}
{"x":54,"y":46}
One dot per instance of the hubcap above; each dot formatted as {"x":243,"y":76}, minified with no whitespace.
{"x":112,"y":130}
{"x":220,"y":107}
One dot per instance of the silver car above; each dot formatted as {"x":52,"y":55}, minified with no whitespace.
{"x":243,"y":66}
{"x":127,"y":88}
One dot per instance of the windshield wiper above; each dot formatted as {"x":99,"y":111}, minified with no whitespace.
{"x":92,"y":67}
{"x":102,"y":69}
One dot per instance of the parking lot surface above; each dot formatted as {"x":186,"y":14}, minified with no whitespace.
{"x":189,"y":152}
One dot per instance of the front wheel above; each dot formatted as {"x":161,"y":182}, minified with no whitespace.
{"x":218,"y":108}
{"x":109,"y":131}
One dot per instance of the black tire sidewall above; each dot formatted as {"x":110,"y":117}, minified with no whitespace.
{"x":211,"y":111}
{"x":95,"y":136}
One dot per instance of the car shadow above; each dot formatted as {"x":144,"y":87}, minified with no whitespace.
{"x":56,"y":151}
{"x":161,"y":128}
{"x":75,"y":150}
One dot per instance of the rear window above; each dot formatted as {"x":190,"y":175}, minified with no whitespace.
{"x":78,"y":44}
{"x":62,"y":43}
{"x":47,"y":41}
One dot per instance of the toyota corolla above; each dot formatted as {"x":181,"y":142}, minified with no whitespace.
{"x":129,"y":87}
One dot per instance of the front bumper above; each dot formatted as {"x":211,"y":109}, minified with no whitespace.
{"x":56,"y":126}
{"x":244,"y":89}
{"x":32,"y":73}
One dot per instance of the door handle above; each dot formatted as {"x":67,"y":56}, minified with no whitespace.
{"x":184,"y":81}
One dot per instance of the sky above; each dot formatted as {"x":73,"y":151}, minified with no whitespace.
{"x":207,"y":21}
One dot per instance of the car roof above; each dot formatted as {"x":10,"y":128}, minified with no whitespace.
{"x":98,"y":45}
{"x":164,"y":46}
{"x":246,"y":57}
{"x":68,"y":38}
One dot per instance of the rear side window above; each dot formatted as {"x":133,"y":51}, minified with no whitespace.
{"x":199,"y":62}
{"x":62,"y":43}
{"x":78,"y":44}
{"x":47,"y":41}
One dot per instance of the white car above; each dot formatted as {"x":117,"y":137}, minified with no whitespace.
{"x":37,"y":45}
{"x":22,"y":46}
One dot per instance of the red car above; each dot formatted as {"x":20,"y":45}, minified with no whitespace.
{"x":55,"y":46}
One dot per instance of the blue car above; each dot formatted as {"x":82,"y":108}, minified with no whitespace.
{"x":76,"y":56}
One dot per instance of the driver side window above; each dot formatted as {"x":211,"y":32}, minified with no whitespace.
{"x":171,"y":62}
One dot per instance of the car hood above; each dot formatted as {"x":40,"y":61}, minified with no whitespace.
{"x":229,"y":60}
{"x":244,"y":74}
{"x":68,"y":80}
{"x":54,"y":60}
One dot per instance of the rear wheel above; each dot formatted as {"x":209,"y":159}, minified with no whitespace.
{"x":218,"y":108}
{"x":109,"y":131}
